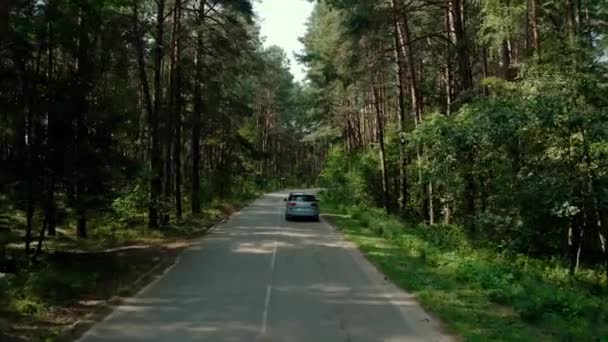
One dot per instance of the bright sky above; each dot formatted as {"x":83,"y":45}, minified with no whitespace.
{"x":282,"y":22}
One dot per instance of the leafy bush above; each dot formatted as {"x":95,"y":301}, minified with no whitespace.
{"x":351,"y":178}
{"x":536,"y":294}
{"x":130,"y":207}
{"x":530,"y":151}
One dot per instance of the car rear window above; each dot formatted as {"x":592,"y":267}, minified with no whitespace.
{"x":303,"y":198}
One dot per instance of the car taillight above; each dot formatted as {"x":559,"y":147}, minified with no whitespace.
{"x":292,"y":204}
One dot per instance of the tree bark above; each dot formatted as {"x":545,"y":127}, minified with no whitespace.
{"x":197,"y":112}
{"x":156,"y":166}
{"x":29,"y":219}
{"x":151,"y":118}
{"x":399,"y":59}
{"x":141,"y":63}
{"x":178,"y":163}
{"x":403,"y":32}
{"x":81,"y":108}
{"x":54,"y":156}
{"x":177,"y":145}
{"x":382,"y":150}
{"x":484,"y":61}
{"x":571,"y":21}
{"x":40,"y":239}
{"x":448,"y":63}
{"x":534,"y":5}
{"x":588,"y":28}
{"x":51,"y":208}
{"x":575,"y":242}
{"x":506,"y":60}
{"x":462,"y":51}
{"x":431,"y":204}
{"x":591,"y":190}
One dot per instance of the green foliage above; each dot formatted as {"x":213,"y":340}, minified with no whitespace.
{"x":510,"y":153}
{"x":529,"y":147}
{"x":480,"y":293}
{"x":130,"y":207}
{"x":501,"y":21}
{"x":352,"y":178}
{"x":515,"y":157}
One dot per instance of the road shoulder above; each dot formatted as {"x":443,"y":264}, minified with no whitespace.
{"x":412,"y":312}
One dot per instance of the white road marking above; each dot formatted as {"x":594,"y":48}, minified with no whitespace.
{"x":274,"y":256}
{"x":266,"y":306}
{"x":269,"y":286}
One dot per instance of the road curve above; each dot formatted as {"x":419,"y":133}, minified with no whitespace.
{"x":259,"y":278}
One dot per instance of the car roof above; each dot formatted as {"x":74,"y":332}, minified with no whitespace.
{"x":298,"y":194}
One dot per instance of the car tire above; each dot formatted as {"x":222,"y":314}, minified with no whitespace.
{"x":287,"y":218}
{"x":317,"y":219}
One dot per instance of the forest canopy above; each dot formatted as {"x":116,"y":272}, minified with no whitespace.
{"x":114,"y":108}
{"x":488,"y":114}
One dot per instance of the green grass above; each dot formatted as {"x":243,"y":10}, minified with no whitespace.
{"x":479,"y":294}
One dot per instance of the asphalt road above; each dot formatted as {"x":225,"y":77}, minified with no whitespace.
{"x":257,"y":277}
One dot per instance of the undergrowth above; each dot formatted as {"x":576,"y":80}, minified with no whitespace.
{"x":479,"y":293}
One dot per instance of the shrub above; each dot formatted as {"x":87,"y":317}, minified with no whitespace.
{"x":130,"y":207}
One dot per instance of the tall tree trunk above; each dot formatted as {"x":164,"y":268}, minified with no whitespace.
{"x":24,"y":144}
{"x":588,"y":28}
{"x":399,"y":59}
{"x":151,"y":118}
{"x":485,"y":69}
{"x":382,"y":151}
{"x":30,"y":179}
{"x":534,"y":5}
{"x":156,"y":166}
{"x":171,"y":141}
{"x":168,"y":131}
{"x":462,"y":50}
{"x":506,"y":60}
{"x":177,"y":153}
{"x":431,"y":213}
{"x":29,"y":218}
{"x":51,"y":208}
{"x":591,"y":190}
{"x":448,"y":63}
{"x":40,"y":239}
{"x":141,"y":63}
{"x":465,"y":76}
{"x":81,"y":108}
{"x":197,"y":112}
{"x":167,"y":179}
{"x":403,"y":185}
{"x":177,"y":106}
{"x":403,"y":32}
{"x":576,"y":233}
{"x":571,"y":21}
{"x":54,"y":157}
